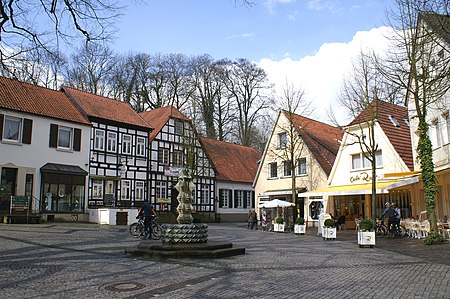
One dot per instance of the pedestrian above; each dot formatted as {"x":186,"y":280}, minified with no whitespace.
{"x":253,"y":219}
{"x":391,"y":214}
{"x":249,"y":218}
{"x":263,"y":220}
{"x":398,"y":215}
{"x":147,"y":212}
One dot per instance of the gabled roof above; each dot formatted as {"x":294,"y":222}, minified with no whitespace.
{"x":25,"y":97}
{"x":320,"y":138}
{"x":99,"y":107}
{"x":439,"y":24}
{"x":158,"y":117}
{"x":393,"y":121}
{"x":233,"y":162}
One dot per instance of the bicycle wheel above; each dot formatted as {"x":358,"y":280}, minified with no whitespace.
{"x":156,"y":232}
{"x":381,"y":231}
{"x":136,"y":230}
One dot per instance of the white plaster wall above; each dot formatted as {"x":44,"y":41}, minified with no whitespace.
{"x":232,"y":186}
{"x":35,"y":155}
{"x":342,"y":172}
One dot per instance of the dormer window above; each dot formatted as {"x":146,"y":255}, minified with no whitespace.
{"x":394,"y":121}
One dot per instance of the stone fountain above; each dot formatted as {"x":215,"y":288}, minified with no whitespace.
{"x":185,"y":239}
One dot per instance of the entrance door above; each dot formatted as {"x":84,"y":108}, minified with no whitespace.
{"x":8,"y":183}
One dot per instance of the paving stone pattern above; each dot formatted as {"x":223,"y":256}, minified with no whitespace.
{"x":76,"y":260}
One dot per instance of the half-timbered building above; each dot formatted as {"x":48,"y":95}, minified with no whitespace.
{"x":118,"y":161}
{"x":174,"y":144}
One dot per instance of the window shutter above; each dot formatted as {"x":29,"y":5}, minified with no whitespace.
{"x":53,"y":142}
{"x":77,"y":140}
{"x":235,"y":199}
{"x":1,"y":126}
{"x":220,"y":198}
{"x":253,"y":198}
{"x":27,"y":129}
{"x":230,"y":198}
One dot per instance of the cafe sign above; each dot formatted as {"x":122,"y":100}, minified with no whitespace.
{"x":361,"y":177}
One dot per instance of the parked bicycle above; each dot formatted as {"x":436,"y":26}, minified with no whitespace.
{"x":137,"y":229}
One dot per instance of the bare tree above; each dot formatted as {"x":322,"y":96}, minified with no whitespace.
{"x":45,"y":25}
{"x":250,"y":90}
{"x":91,"y":69}
{"x":291,"y":144}
{"x":419,"y":64}
{"x":360,"y":94}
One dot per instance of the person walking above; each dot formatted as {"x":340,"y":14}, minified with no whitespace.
{"x":249,"y":220}
{"x":264,"y":220}
{"x":253,"y":219}
{"x":391,"y":214}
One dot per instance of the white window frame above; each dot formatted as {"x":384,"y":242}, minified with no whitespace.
{"x":239,"y":198}
{"x":139,"y":190}
{"x":281,"y":140}
{"x":140,"y":146}
{"x":225,"y":197}
{"x":161,"y":189}
{"x":163,"y":156}
{"x":177,"y":158}
{"x":125,"y":190}
{"x":99,"y":139}
{"x":248,"y":198}
{"x":364,"y":162}
{"x":287,"y":171}
{"x":65,"y":129}
{"x":11,"y":120}
{"x":126,"y":144}
{"x":111,"y":143}
{"x":302,"y":161}
{"x":97,"y":189}
{"x":205,"y":194}
{"x":178,"y":127}
{"x":269,"y":170}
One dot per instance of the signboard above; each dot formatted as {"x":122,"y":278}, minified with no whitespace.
{"x":163,"y":200}
{"x":171,"y":171}
{"x":19,"y":200}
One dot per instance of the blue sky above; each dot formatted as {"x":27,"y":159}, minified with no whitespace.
{"x":309,"y":43}
{"x":270,"y":29}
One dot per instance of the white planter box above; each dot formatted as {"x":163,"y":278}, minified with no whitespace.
{"x":366,"y":239}
{"x":329,"y":233}
{"x":300,"y":229}
{"x":278,"y":227}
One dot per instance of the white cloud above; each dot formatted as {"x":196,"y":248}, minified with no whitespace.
{"x":270,"y":4}
{"x":321,"y":74}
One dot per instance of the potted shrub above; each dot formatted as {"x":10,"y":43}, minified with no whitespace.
{"x":300,"y":226}
{"x":366,"y":233}
{"x":329,"y":230}
{"x":279,"y":224}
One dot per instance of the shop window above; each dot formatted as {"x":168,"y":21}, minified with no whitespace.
{"x":315,"y":209}
{"x":63,"y":193}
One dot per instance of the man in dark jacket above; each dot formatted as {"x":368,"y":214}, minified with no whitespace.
{"x":392,"y":216}
{"x":147,"y":212}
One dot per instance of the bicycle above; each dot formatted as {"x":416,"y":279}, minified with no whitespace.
{"x":137,"y":229}
{"x":396,"y":231}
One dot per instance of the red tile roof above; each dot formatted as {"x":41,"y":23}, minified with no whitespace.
{"x":158,"y":117}
{"x":25,"y":97}
{"x":233,"y":162}
{"x":320,"y":138}
{"x":399,"y":136}
{"x":105,"y":108}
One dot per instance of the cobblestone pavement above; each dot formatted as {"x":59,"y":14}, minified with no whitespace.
{"x":75,"y":260}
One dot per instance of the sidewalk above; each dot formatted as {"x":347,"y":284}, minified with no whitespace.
{"x":75,"y":260}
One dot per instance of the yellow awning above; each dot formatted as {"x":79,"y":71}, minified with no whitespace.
{"x":382,"y":187}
